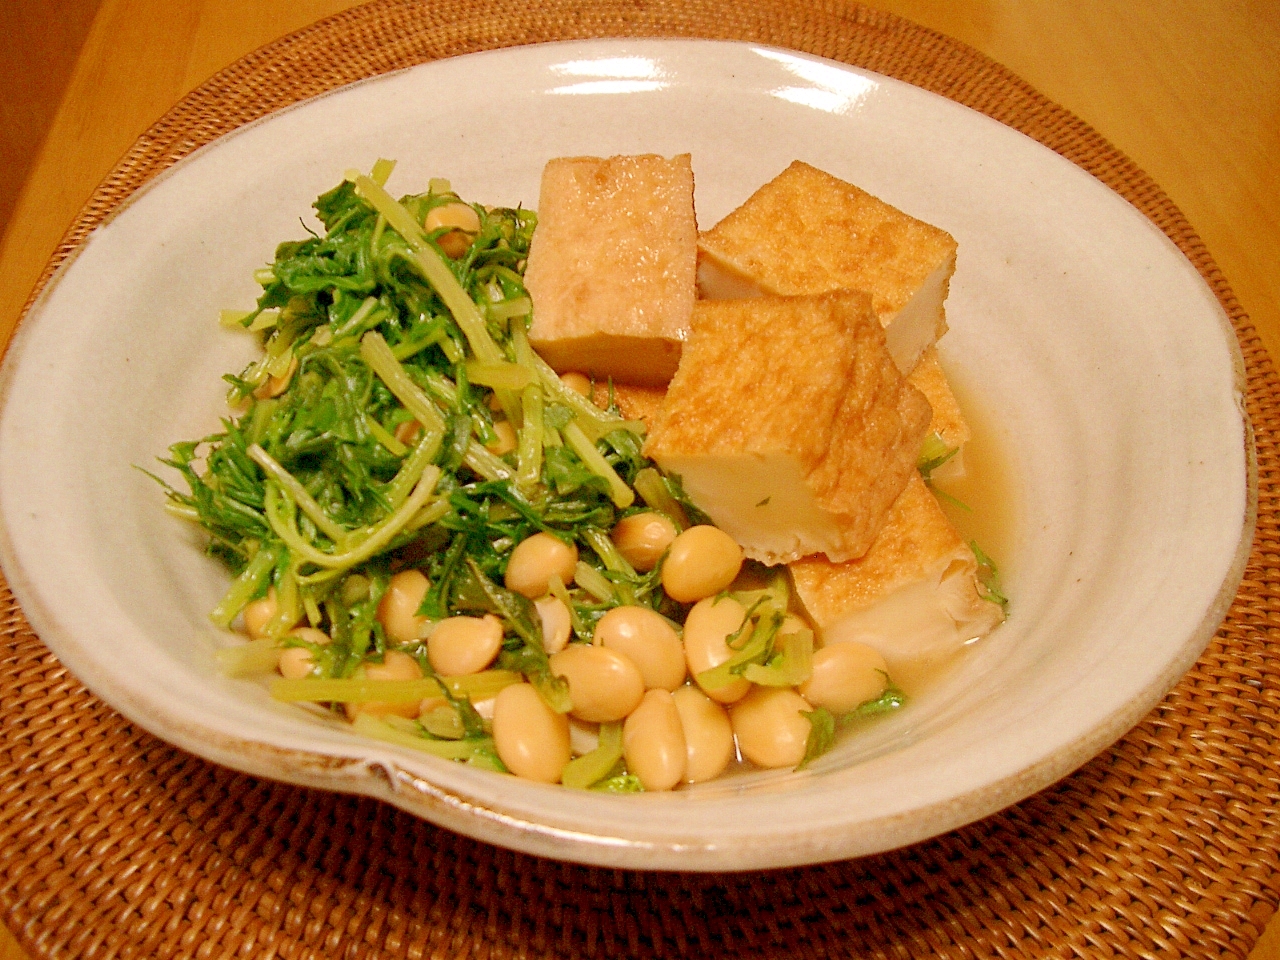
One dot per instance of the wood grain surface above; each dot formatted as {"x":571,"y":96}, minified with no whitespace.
{"x":1189,"y":90}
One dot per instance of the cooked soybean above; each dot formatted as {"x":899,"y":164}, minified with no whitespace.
{"x":398,"y":608}
{"x":604,"y":685}
{"x":845,"y":675}
{"x":298,"y":662}
{"x":770,"y":726}
{"x":701,"y":562}
{"x":464,"y":221}
{"x":642,"y":538}
{"x":258,"y":613}
{"x":709,"y":625}
{"x":535,"y":560}
{"x":577,"y":382}
{"x":532,"y":740}
{"x":504,"y":439}
{"x":708,"y":734}
{"x":653,"y":742}
{"x":649,"y":640}
{"x":459,"y":646}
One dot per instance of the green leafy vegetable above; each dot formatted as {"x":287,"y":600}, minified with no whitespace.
{"x":989,"y":578}
{"x":597,"y":765}
{"x":822,"y":735}
{"x":413,"y":736}
{"x":824,"y":725}
{"x":620,"y":783}
{"x":934,"y":452}
{"x":892,"y":699}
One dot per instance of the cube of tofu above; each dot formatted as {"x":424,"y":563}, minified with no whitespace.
{"x":930,"y":379}
{"x":913,"y":596}
{"x":790,"y":425}
{"x":948,"y":422}
{"x":808,"y":232}
{"x":612,"y":269}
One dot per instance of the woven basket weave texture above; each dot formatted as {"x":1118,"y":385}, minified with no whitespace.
{"x":112,"y":843}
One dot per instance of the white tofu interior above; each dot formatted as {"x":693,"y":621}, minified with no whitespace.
{"x":716,"y":281}
{"x":908,"y":333}
{"x":763,"y":502}
{"x":915,"y":327}
{"x":927,"y":618}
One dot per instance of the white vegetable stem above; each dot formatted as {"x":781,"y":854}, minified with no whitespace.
{"x":375,"y":537}
{"x":289,"y":482}
{"x":429,"y":260}
{"x":376,"y":353}
{"x":594,"y":461}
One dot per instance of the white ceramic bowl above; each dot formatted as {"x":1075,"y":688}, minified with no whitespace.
{"x":1107,"y":366}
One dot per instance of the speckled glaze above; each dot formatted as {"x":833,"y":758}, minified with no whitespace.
{"x":1109,"y":368}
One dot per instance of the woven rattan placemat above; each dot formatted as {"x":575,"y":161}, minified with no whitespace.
{"x":115,"y":844}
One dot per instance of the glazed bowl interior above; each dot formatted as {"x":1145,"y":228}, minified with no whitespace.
{"x":1105,"y":370}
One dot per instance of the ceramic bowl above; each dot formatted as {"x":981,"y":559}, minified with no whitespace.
{"x":1106,"y":369}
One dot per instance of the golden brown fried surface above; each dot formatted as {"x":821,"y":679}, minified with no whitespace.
{"x":807,"y":232}
{"x":790,"y":423}
{"x":634,"y":402}
{"x":913,"y":594}
{"x":612,"y":266}
{"x":948,"y":422}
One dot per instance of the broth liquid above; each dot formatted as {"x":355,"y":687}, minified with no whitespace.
{"x":981,"y":506}
{"x":985,"y":490}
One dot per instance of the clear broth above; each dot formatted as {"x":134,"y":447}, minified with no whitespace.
{"x":980,"y":504}
{"x":988,"y":515}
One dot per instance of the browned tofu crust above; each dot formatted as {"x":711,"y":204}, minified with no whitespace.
{"x":634,"y":402}
{"x":804,"y":377}
{"x":916,"y":538}
{"x":931,"y":380}
{"x":612,"y":266}
{"x":806,"y":231}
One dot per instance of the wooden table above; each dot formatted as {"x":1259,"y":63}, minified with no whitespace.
{"x":1189,"y":90}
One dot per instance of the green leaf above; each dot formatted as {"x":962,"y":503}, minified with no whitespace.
{"x":934,"y":452}
{"x":478,"y":592}
{"x":585,"y":771}
{"x":312,"y":493}
{"x":620,"y":783}
{"x":822,"y":734}
{"x":892,"y":699}
{"x":791,"y":666}
{"x":755,"y":647}
{"x":989,"y":578}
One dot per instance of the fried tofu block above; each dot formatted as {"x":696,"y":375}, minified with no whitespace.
{"x":790,"y":424}
{"x":808,"y":232}
{"x":913,"y":596}
{"x":613,"y":264}
{"x":948,"y":422}
{"x":635,"y":403}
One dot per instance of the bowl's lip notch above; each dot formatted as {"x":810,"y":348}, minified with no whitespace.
{"x":448,"y":797}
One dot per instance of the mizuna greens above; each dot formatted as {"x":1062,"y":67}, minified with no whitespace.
{"x":366,"y":440}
